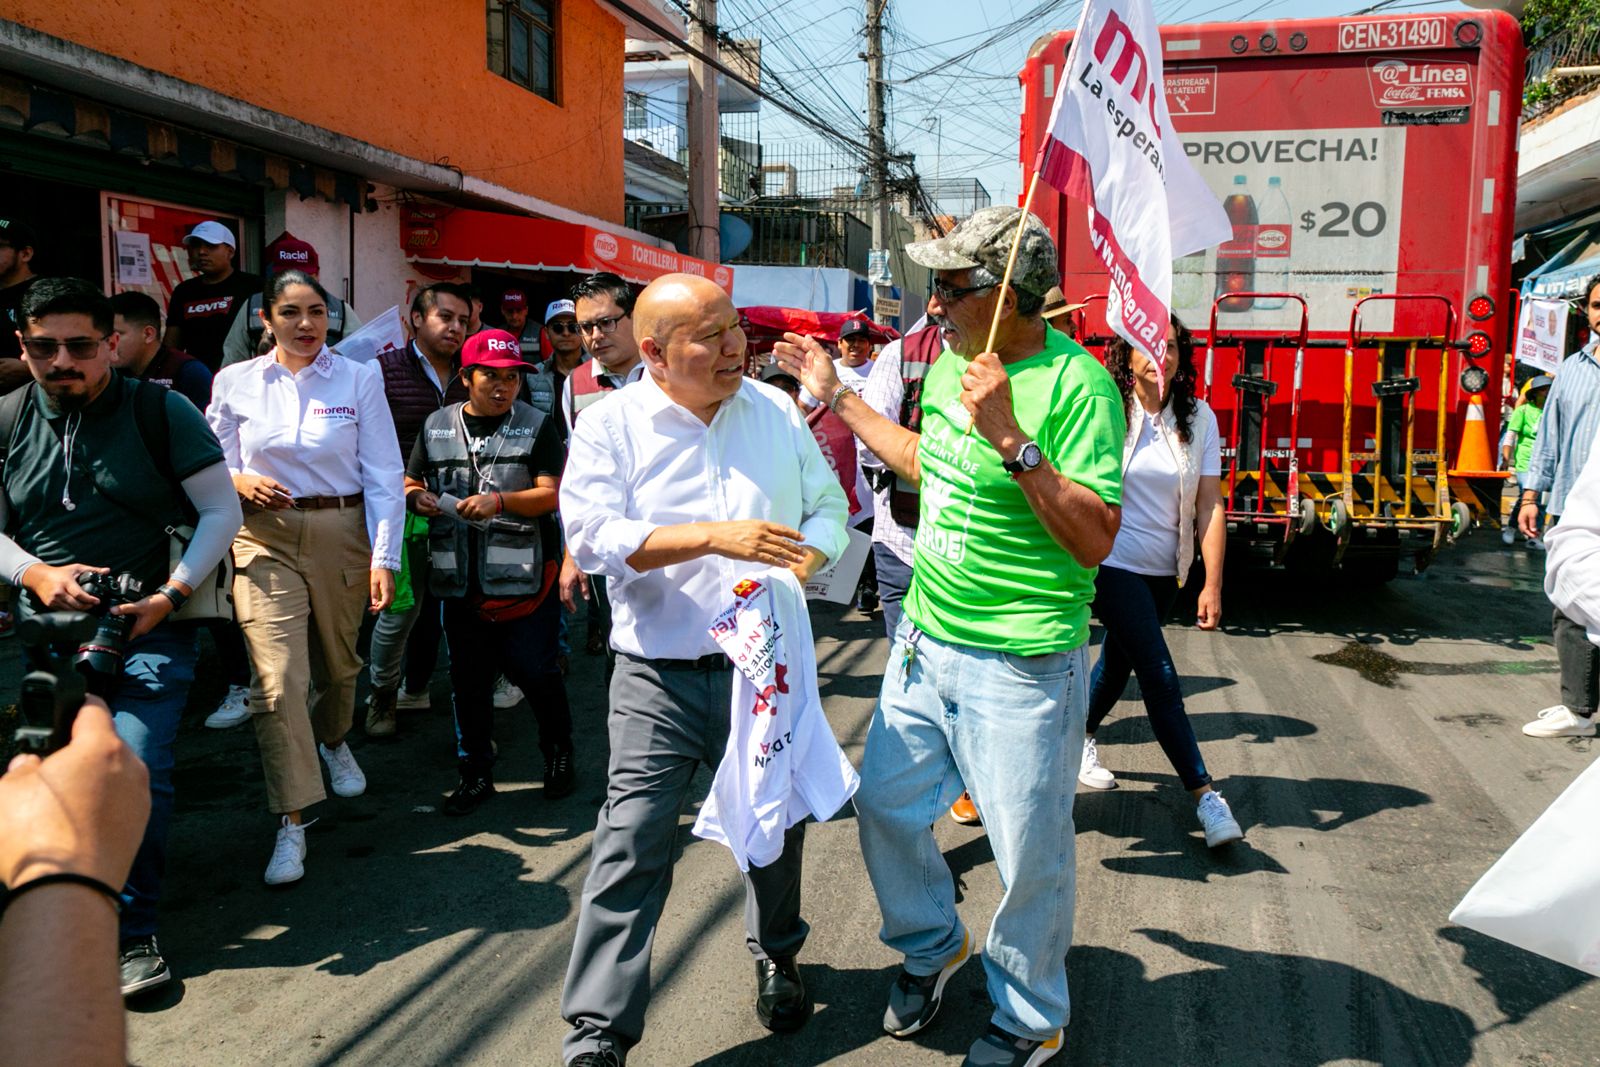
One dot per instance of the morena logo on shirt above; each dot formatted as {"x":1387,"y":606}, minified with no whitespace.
{"x":331,"y":411}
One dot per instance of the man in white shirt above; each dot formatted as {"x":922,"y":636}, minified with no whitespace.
{"x":854,"y":367}
{"x":672,"y":486}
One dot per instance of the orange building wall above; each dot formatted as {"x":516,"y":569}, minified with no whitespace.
{"x":400,"y":74}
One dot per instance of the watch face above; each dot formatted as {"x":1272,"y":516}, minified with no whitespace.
{"x":1031,"y":456}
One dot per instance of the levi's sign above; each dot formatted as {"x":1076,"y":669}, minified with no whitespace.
{"x":1402,"y":83}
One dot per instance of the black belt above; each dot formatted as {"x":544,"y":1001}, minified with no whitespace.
{"x":317,"y":503}
{"x":716,"y":661}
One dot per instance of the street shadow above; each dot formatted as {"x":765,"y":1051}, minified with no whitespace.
{"x":1521,"y":982}
{"x":1164,"y":836}
{"x":1252,"y":1009}
{"x":1209,"y":726}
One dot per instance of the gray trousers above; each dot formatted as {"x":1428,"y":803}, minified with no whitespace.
{"x":666,"y":719}
{"x":1580,"y":665}
{"x":386,"y":658}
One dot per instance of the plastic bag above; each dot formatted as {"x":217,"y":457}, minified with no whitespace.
{"x":1541,"y":894}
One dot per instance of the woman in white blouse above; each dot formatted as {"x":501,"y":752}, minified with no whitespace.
{"x":312,"y":449}
{"x":1171,"y":498}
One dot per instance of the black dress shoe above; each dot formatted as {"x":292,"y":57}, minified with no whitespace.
{"x":782,"y":1003}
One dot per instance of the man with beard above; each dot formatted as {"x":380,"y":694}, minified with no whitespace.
{"x":419,"y":380}
{"x":99,"y":465}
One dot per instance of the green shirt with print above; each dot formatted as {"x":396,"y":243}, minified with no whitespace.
{"x":987,"y":573}
{"x":1525,"y":424}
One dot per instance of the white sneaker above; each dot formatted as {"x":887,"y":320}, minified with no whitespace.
{"x":1091,"y":773}
{"x":288,"y":863}
{"x":345,"y":777}
{"x":409,"y":701}
{"x":1217,"y":820}
{"x":506,"y":695}
{"x":234,"y":709}
{"x":1559,"y":721}
{"x":1533,"y":544}
{"x":1508,"y":533}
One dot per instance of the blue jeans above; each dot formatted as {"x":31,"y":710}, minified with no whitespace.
{"x":1009,"y":729}
{"x":1131,"y":607}
{"x":894,"y":578}
{"x":147,"y":708}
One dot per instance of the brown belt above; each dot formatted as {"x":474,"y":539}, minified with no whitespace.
{"x":316,"y":503}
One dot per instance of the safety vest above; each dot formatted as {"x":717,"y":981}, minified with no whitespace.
{"x":510,"y":550}
{"x":539,"y":389}
{"x":587,"y":388}
{"x":918,"y":353}
{"x":255,"y":329}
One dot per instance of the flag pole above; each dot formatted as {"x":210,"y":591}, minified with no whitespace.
{"x":1011,"y":261}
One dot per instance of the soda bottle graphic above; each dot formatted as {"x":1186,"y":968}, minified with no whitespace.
{"x":1236,"y":264}
{"x":1274,"y":235}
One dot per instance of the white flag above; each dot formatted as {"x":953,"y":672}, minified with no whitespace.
{"x":1111,"y":144}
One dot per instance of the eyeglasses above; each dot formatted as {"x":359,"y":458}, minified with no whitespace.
{"x":948,"y":296}
{"x":560,"y":328}
{"x":606,"y":325}
{"x":77,"y":348}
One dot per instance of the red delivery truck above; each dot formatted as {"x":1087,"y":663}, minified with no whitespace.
{"x":1351,"y":328}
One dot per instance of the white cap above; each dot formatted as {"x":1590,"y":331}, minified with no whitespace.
{"x":560,"y":307}
{"x":212,"y":233}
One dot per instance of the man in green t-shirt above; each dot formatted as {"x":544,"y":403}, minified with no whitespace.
{"x":1019,"y":462}
{"x":1522,"y":429}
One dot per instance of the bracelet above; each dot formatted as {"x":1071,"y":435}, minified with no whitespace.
{"x":1527,"y":504}
{"x":63,"y":878}
{"x":838,"y":394}
{"x":499,"y":503}
{"x":174,"y":594}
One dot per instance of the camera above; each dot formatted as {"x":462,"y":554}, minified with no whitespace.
{"x":52,"y":692}
{"x":99,"y":659}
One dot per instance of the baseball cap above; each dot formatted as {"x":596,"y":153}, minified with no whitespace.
{"x":1542,"y":381}
{"x":560,"y":307}
{"x":212,"y":233}
{"x":493,"y":348}
{"x":288,"y":252}
{"x":514,"y":298}
{"x":984,"y":240}
{"x":1055,"y":304}
{"x":775,"y":370}
{"x":17,"y":234}
{"x":854,"y":327}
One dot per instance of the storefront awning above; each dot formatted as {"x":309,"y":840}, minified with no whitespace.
{"x":462,"y":237}
{"x":1564,"y":274}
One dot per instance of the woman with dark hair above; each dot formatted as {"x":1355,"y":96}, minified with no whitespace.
{"x":1171,"y":496}
{"x":311,"y":445}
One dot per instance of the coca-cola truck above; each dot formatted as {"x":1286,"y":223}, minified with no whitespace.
{"x":1352,"y":326}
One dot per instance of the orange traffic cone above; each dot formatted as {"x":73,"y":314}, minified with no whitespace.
{"x":1474,"y":457}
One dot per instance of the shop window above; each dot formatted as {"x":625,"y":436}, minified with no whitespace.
{"x":522,"y":43}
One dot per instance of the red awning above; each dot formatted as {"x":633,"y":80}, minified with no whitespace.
{"x":462,"y":237}
{"x":823,"y":325}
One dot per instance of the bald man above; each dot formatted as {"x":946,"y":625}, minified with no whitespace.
{"x":674,"y":487}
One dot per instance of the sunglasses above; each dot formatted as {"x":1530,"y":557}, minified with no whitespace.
{"x":948,"y":296}
{"x":606,"y":325}
{"x":563,"y":328}
{"x":77,"y":347}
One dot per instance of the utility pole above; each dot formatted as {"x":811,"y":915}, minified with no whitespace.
{"x":877,"y":141}
{"x":705,"y":136}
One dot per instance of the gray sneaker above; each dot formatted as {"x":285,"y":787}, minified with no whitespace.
{"x":1000,"y":1049}
{"x":914,"y":998}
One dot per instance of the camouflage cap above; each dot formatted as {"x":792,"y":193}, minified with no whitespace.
{"x":984,"y":240}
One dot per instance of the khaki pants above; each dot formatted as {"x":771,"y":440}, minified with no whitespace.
{"x":299,"y":592}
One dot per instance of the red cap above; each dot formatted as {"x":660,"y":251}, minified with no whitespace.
{"x":514,"y":298}
{"x":288,"y":252}
{"x":492,"y":348}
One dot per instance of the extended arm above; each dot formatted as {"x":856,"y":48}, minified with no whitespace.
{"x":896,"y":446}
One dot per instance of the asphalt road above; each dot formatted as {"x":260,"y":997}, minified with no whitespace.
{"x":1368,"y":742}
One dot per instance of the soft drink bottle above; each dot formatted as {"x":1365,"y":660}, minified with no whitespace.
{"x":1274,"y":236}
{"x":1236,"y":264}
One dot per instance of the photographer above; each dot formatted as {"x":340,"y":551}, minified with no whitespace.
{"x":68,"y":829}
{"x":82,"y":493}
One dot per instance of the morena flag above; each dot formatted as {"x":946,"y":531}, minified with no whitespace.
{"x":1111,"y":144}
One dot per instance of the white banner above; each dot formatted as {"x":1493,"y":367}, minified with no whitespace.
{"x":1542,"y":333}
{"x":1111,"y":144}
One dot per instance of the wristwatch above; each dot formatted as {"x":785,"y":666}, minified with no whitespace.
{"x":1028,"y":458}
